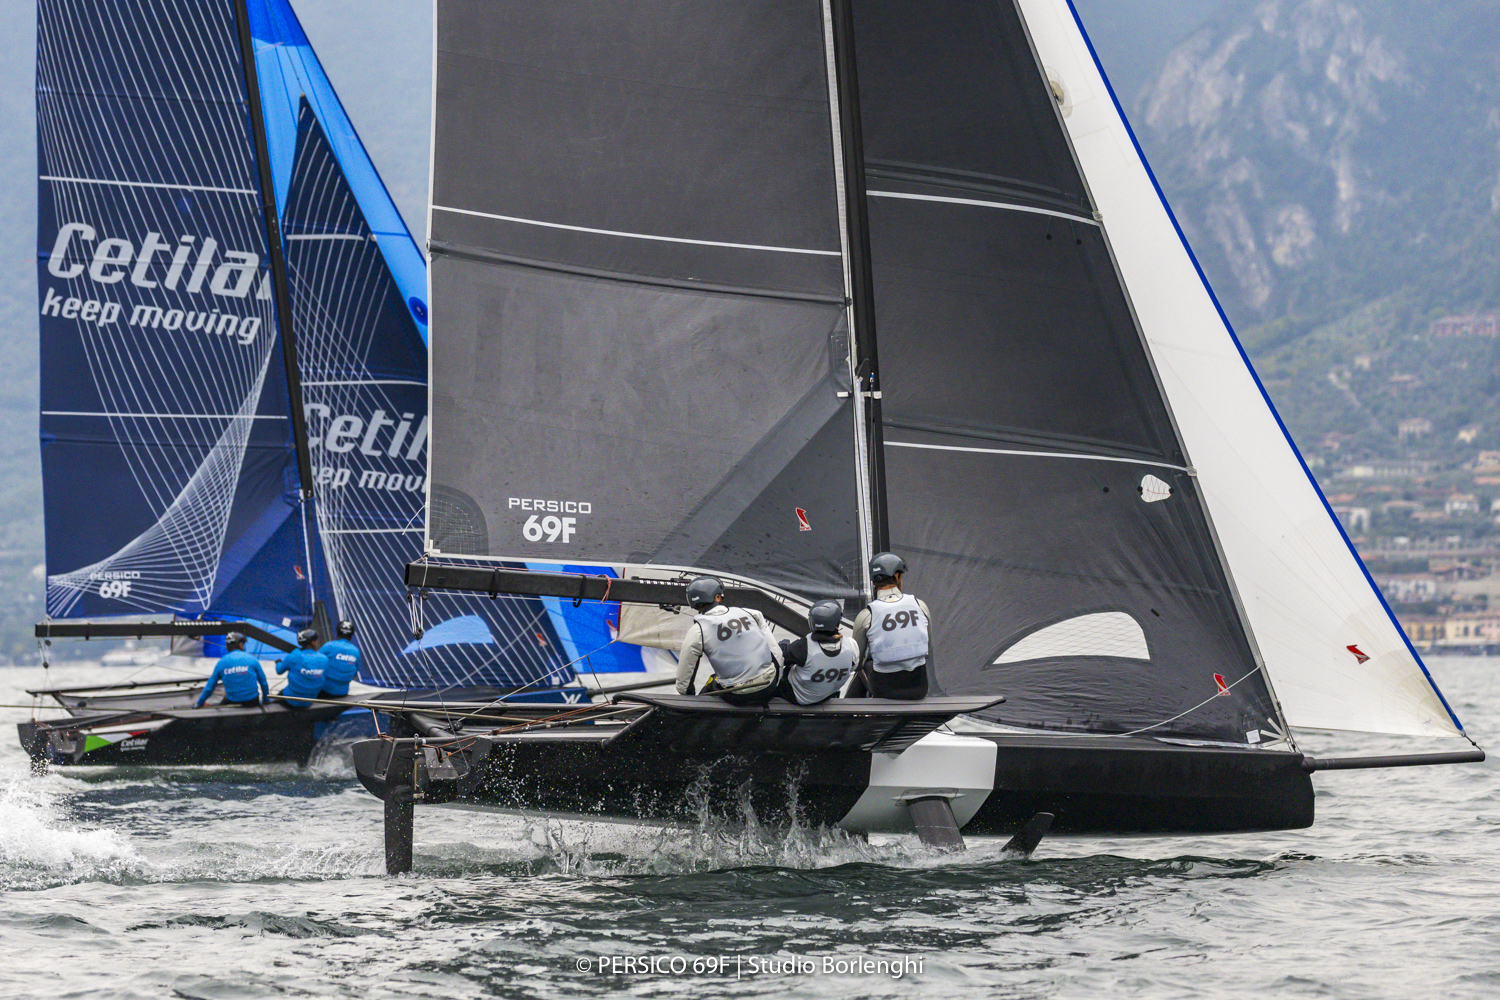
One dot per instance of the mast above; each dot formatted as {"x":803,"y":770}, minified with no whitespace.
{"x":280,"y":289}
{"x":850,"y":152}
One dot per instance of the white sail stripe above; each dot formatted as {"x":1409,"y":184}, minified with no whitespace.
{"x":372,"y":531}
{"x":1039,"y":454}
{"x":145,"y":184}
{"x":636,"y":236}
{"x":163,"y":416}
{"x":315,"y":237}
{"x":365,"y":381}
{"x":1006,"y":206}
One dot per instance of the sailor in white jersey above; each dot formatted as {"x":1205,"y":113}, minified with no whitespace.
{"x":894,"y":637}
{"x":737,"y":642}
{"x":822,"y":662}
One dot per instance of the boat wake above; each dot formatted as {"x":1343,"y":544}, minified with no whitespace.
{"x":41,"y":847}
{"x":610,"y":849}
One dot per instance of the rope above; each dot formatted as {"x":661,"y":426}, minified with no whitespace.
{"x":1205,"y":701}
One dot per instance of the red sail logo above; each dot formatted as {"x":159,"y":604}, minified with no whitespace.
{"x":1223,"y":687}
{"x":802,"y":524}
{"x":1361,"y":657}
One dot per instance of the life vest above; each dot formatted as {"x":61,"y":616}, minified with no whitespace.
{"x":823,"y":673}
{"x":897,"y":638}
{"x":735,"y":646}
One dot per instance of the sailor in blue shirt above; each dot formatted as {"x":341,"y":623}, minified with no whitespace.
{"x":304,"y":670}
{"x":244,"y":680}
{"x":343,"y":662}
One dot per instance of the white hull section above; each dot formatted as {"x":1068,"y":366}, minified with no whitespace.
{"x":960,"y":769}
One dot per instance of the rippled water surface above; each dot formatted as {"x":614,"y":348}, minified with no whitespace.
{"x":251,"y":882}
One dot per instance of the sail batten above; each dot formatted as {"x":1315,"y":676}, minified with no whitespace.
{"x":1075,"y":456}
{"x":636,"y":236}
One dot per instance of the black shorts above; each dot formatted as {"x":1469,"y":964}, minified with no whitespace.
{"x":252,"y":703}
{"x":900,"y":685}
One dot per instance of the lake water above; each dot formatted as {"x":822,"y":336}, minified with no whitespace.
{"x":227,"y":883}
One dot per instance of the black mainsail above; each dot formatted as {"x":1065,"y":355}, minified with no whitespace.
{"x":637,"y":264}
{"x":1020,"y":411}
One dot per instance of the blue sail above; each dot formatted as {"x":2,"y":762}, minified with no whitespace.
{"x":357,"y":284}
{"x":169,"y":477}
{"x":150,"y":234}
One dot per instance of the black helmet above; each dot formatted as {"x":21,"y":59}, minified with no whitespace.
{"x":307,"y":637}
{"x":703,"y":591}
{"x":346,"y":629}
{"x":825,"y":616}
{"x":885,"y":566}
{"x":234,"y":639}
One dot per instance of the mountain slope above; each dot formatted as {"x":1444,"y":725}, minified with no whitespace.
{"x":1321,"y":153}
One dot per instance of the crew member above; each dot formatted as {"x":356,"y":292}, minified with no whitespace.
{"x":304,"y":668}
{"x":894,"y":637}
{"x":818,"y":665}
{"x":243,"y":678}
{"x":343,"y":661}
{"x":737,"y":642}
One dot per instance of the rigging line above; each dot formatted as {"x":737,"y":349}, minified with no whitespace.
{"x":1040,"y":454}
{"x":861,"y":435}
{"x":636,"y":236}
{"x":1216,"y":694}
{"x":145,"y":184}
{"x":1005,"y":206}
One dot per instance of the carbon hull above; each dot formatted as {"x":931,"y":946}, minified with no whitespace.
{"x":223,"y":736}
{"x":993,"y":782}
{"x":157,"y":724}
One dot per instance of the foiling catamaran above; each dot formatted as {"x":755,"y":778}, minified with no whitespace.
{"x":234,"y":403}
{"x":758,"y":287}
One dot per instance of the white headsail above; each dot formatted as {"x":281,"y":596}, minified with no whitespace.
{"x":1335,"y":654}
